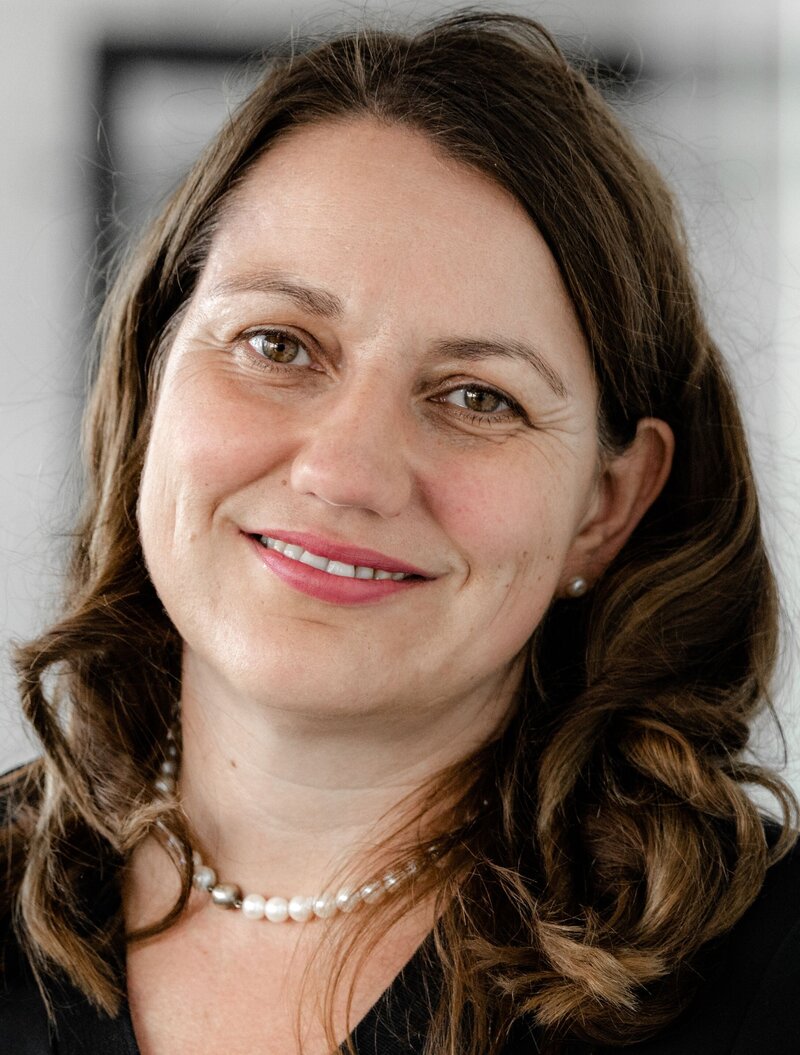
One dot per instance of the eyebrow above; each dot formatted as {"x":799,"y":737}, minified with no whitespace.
{"x":313,"y":299}
{"x":470,"y":350}
{"x":325,"y":305}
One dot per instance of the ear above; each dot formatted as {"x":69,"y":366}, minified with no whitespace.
{"x":626,"y":487}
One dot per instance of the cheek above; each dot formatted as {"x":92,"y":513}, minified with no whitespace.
{"x":510,"y":524}
{"x":201,"y":451}
{"x":511,"y":518}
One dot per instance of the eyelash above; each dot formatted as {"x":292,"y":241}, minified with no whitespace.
{"x":513,"y":409}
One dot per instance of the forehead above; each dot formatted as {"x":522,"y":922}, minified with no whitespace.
{"x":380,"y":189}
{"x":399,"y":231}
{"x":400,"y":166}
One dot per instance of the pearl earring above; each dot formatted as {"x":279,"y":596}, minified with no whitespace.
{"x":577,"y":587}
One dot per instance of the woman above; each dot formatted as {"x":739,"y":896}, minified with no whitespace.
{"x":420,"y":607}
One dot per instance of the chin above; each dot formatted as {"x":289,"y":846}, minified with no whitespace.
{"x":279,"y":678}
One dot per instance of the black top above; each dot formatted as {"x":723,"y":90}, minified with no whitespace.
{"x":748,"y":1004}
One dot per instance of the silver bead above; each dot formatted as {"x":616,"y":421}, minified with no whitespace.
{"x":169,"y":768}
{"x":226,"y":895}
{"x":166,"y":785}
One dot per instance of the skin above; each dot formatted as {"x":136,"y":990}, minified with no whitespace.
{"x":305,"y":721}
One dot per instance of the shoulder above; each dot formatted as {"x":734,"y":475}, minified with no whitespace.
{"x":768,"y":935}
{"x":24,"y":1026}
{"x":749,"y":997}
{"x":764,"y":954}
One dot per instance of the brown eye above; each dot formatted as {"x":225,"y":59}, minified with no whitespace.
{"x":478,"y":400}
{"x":280,"y":348}
{"x":481,"y":400}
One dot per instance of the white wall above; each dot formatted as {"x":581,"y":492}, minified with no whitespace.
{"x":723,"y":117}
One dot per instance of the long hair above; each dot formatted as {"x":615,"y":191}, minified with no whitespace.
{"x":606,"y":833}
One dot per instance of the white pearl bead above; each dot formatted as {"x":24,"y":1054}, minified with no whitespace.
{"x":390,"y":882}
{"x":169,"y":768}
{"x":277,"y":909}
{"x":205,"y":878}
{"x":577,"y":587}
{"x":371,"y":893}
{"x":325,"y":906}
{"x":253,"y":906}
{"x":346,"y":900}
{"x":301,"y":908}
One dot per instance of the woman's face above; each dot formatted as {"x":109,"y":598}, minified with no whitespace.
{"x":379,"y":355}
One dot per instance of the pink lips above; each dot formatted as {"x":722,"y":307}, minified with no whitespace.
{"x":334,"y":588}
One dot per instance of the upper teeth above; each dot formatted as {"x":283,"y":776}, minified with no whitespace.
{"x":332,"y":567}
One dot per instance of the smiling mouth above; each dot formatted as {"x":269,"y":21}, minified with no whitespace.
{"x":330,"y":567}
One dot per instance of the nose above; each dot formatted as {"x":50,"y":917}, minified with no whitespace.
{"x":354,"y":453}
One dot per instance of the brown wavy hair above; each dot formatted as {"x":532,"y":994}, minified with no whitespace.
{"x":608,"y":832}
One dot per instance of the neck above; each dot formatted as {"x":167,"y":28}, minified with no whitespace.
{"x":281,"y":801}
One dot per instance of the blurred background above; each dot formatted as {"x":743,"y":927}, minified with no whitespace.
{"x":104,"y":104}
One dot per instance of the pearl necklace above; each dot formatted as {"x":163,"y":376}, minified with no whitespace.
{"x":300,"y":907}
